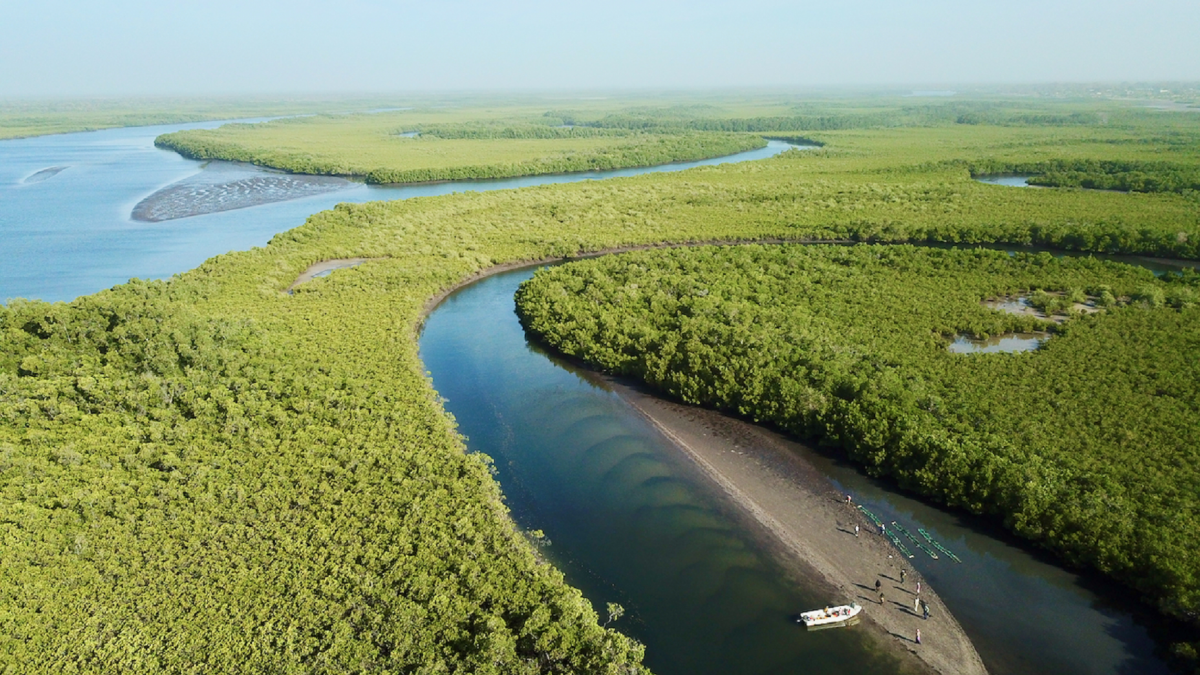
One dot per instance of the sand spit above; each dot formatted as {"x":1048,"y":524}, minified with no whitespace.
{"x":800,"y":508}
{"x":225,"y":187}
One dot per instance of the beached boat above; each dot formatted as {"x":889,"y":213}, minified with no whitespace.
{"x":831,"y":617}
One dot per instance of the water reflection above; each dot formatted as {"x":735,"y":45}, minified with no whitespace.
{"x":1010,"y":342}
{"x":629,"y":523}
{"x":1006,"y":180}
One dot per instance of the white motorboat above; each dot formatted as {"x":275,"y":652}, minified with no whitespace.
{"x":831,"y":617}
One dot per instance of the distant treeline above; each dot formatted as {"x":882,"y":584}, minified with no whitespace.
{"x":627,"y":150}
{"x":518,"y":131}
{"x":705,"y":119}
{"x":648,"y":150}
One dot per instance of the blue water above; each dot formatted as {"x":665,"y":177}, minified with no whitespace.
{"x":1007,"y":181}
{"x":72,"y":235}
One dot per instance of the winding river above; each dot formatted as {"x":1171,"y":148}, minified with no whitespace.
{"x":71,"y":233}
{"x":625,"y":519}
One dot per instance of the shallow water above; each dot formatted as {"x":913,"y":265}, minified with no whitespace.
{"x":1013,"y":342}
{"x":1012,"y":306}
{"x":1009,"y":181}
{"x":73,"y":234}
{"x":1024,"y":613}
{"x":629,"y":524}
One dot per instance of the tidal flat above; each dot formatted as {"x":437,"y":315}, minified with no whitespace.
{"x":225,"y":186}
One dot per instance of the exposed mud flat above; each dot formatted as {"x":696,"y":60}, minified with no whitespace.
{"x":1021,"y":306}
{"x":45,"y":174}
{"x":325,"y":268}
{"x":224,"y":186}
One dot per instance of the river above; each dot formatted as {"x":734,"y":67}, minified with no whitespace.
{"x":72,"y":234}
{"x":625,"y":520}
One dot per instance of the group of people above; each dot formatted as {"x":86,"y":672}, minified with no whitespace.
{"x":919,"y":605}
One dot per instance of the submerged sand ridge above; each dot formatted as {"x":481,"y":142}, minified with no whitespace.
{"x":225,"y":186}
{"x":45,"y":174}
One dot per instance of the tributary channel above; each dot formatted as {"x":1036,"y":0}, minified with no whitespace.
{"x":630,"y":523}
{"x":624,"y":519}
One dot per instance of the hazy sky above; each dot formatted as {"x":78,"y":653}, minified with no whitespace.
{"x":58,"y":47}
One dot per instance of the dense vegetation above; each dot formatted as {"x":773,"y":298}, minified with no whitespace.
{"x":372,"y":146}
{"x":1090,"y":445}
{"x":207,"y":473}
{"x":1094,"y":174}
{"x":186,"y":490}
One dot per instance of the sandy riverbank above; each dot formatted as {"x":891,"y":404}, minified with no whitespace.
{"x":814,"y":528}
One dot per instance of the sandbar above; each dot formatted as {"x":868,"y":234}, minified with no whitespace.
{"x":225,"y":187}
{"x":812,"y":526}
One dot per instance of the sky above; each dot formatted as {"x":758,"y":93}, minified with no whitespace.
{"x":143,"y":47}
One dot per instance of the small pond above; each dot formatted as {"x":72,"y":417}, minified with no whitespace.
{"x":1006,"y":179}
{"x":1010,"y":342}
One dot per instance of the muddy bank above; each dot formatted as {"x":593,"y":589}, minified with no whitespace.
{"x":225,"y":187}
{"x":814,"y":527}
{"x":326,"y":267}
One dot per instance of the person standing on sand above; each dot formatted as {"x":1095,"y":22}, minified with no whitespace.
{"x":925,"y":608}
{"x":849,"y":501}
{"x":902,"y":575}
{"x":878,"y":583}
{"x":916,"y":605}
{"x":856,"y":530}
{"x":918,"y":636}
{"x":918,"y":589}
{"x":880,"y":598}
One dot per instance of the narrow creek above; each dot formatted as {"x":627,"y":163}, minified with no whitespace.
{"x":629,"y":523}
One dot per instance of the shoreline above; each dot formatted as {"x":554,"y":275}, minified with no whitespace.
{"x":810,"y":526}
{"x":365,"y":178}
{"x":205,"y":192}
